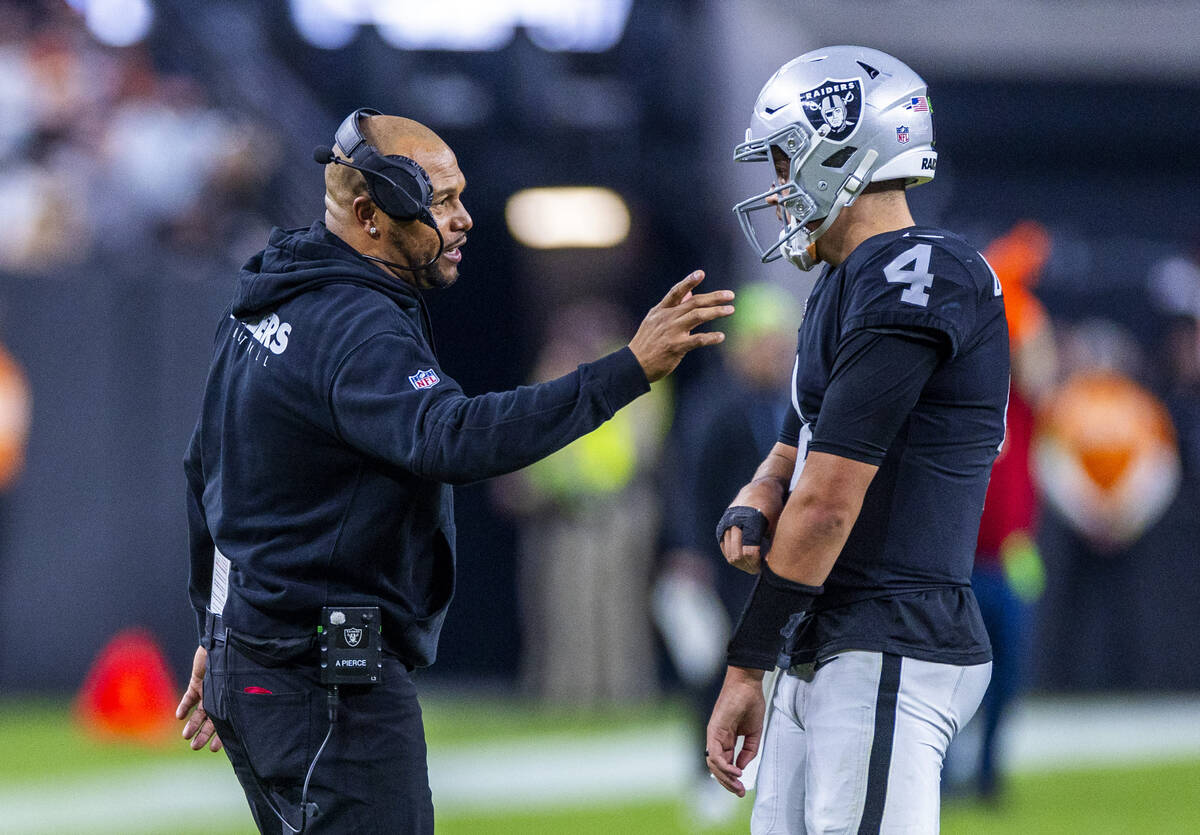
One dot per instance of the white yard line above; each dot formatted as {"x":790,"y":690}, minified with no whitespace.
{"x":564,"y":771}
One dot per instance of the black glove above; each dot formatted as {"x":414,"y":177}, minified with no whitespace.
{"x":749,"y":519}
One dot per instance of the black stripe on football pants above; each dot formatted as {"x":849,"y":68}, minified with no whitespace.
{"x":881,"y":745}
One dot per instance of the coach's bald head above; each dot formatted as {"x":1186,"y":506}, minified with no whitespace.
{"x":353,"y":216}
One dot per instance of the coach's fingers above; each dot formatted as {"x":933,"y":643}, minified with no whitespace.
{"x":194,"y":721}
{"x":701,"y":315}
{"x":207,"y":735}
{"x":198,"y":729}
{"x":190,"y":699}
{"x":699,"y":340}
{"x":677,"y":293}
{"x":703,"y":300}
{"x":204,"y":733}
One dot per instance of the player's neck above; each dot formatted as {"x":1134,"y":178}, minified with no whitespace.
{"x":872,"y":214}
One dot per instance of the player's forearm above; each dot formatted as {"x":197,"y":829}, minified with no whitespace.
{"x":808,"y":539}
{"x":818,"y":517}
{"x":767,"y":489}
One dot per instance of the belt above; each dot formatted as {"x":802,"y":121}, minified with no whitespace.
{"x":270,"y":652}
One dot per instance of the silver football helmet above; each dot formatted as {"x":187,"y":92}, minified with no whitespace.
{"x":843,"y":117}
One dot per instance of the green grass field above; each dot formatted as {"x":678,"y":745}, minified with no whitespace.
{"x":40,"y":748}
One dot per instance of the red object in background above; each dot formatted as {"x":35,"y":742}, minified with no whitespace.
{"x":128,"y":693}
{"x":1011,"y":503}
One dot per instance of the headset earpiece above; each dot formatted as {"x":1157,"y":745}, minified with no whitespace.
{"x":398,"y":185}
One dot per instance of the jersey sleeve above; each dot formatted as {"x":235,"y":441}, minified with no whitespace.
{"x":789,"y":432}
{"x":876,"y":381}
{"x":915,"y":285}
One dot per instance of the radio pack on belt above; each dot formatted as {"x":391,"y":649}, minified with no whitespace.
{"x":351,"y":648}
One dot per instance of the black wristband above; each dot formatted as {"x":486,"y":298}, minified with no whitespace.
{"x":749,"y":519}
{"x":775,"y":605}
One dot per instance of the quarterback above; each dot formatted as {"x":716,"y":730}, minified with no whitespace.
{"x":861,"y":522}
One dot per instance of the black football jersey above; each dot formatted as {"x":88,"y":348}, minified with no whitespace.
{"x":902,"y":582}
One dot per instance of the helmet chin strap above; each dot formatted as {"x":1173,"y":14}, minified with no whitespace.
{"x":805,"y":257}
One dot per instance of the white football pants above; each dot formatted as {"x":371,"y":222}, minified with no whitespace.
{"x":854,"y":744}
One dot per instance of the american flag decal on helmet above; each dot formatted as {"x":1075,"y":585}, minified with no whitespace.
{"x":424,"y":379}
{"x":918,"y":104}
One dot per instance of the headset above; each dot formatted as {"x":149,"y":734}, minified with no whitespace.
{"x":398,"y":185}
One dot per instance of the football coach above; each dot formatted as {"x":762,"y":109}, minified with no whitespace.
{"x":319,"y":482}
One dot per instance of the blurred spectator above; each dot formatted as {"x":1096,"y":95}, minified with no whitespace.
{"x":104,"y":154}
{"x":1107,"y":458}
{"x":587,"y":516}
{"x":725,"y":426}
{"x":1118,"y":535}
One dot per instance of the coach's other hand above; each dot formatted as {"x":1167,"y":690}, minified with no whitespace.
{"x":665,"y":335}
{"x":738,"y":712}
{"x":199,"y":728}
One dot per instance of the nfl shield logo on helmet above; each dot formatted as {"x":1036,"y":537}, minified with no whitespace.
{"x":836,"y":104}
{"x":424,"y":379}
{"x":902,"y":134}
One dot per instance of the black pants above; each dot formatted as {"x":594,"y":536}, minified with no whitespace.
{"x":371,"y":777}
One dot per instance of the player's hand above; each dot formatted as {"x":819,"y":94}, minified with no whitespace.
{"x":746,"y":557}
{"x":665,"y":335}
{"x":198,"y":728}
{"x":766,"y":498}
{"x":739,"y":711}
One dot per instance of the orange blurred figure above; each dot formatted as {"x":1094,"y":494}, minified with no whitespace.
{"x":1107,"y":457}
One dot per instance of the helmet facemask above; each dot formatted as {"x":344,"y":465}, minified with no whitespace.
{"x":795,"y":241}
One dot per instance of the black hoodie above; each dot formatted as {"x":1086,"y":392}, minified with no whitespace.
{"x":329,"y":436}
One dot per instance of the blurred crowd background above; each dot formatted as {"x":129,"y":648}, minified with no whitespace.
{"x":147,"y":147}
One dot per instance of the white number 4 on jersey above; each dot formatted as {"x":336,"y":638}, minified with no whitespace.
{"x":911,"y":267}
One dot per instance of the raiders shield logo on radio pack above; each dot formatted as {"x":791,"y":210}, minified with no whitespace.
{"x":351,"y":650}
{"x":836,"y":103}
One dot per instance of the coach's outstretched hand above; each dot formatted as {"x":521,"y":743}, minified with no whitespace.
{"x":199,"y":728}
{"x":739,"y":711}
{"x":665,"y":335}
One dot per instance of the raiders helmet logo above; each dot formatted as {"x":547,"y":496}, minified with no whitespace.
{"x":353,"y":635}
{"x":836,"y":103}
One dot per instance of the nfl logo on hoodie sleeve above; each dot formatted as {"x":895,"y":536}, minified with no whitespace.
{"x":424,"y":379}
